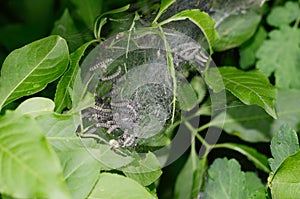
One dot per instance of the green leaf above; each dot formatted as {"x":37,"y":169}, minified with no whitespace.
{"x":255,"y":189}
{"x":66,"y":28}
{"x":30,"y":168}
{"x":199,"y":87}
{"x":235,"y":30}
{"x":259,"y":160}
{"x":190,"y":178}
{"x":285,"y":183}
{"x":252,"y":124}
{"x":35,"y":106}
{"x":115,"y":186}
{"x":186,"y":96}
{"x":280,"y":55}
{"x":88,"y":10}
{"x":145,"y":171}
{"x":249,"y":48}
{"x":201,"y":19}
{"x":251,"y":87}
{"x":226,"y":180}
{"x":81,"y":171}
{"x":62,"y":96}
{"x":284,"y":144}
{"x":163,"y":7}
{"x":284,"y":15}
{"x":29,"y":69}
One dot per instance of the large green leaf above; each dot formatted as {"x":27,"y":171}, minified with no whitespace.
{"x":284,"y":144}
{"x":81,"y":171}
{"x":252,"y":124}
{"x":251,"y":87}
{"x":29,"y":69}
{"x":259,"y":160}
{"x":226,"y":180}
{"x":29,"y":167}
{"x":285,"y":183}
{"x":284,"y":15}
{"x":115,"y":186}
{"x":145,"y":171}
{"x":62,"y":96}
{"x":201,"y":19}
{"x":280,"y":55}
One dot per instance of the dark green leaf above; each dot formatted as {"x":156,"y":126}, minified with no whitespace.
{"x":285,"y":183}
{"x":259,"y":160}
{"x":145,"y":171}
{"x":251,"y":87}
{"x":201,"y":19}
{"x":30,"y":168}
{"x":62,"y":96}
{"x":249,"y":48}
{"x":284,"y":15}
{"x":29,"y":69}
{"x":115,"y":186}
{"x":284,"y":144}
{"x":226,"y":180}
{"x":280,"y":55}
{"x":236,"y":29}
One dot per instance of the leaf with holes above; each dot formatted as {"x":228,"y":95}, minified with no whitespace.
{"x":251,"y":87}
{"x":29,"y":69}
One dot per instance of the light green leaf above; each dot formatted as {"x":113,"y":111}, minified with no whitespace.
{"x":145,"y":171}
{"x":284,"y":15}
{"x":251,"y":87}
{"x":115,"y":186}
{"x":259,"y":160}
{"x":190,"y":178}
{"x":235,"y":30}
{"x":30,"y":168}
{"x":284,"y":144}
{"x":66,"y":28}
{"x":285,"y":183}
{"x":280,"y":55}
{"x":62,"y":96}
{"x":29,"y":69}
{"x":88,"y":10}
{"x":81,"y":171}
{"x":255,"y":189}
{"x":199,"y":87}
{"x":35,"y":106}
{"x":226,"y":180}
{"x":249,"y":48}
{"x":163,"y":7}
{"x":201,"y":19}
{"x":252,"y":124}
{"x":186,"y":96}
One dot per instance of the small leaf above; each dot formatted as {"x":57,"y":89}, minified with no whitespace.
{"x":280,"y":55}
{"x":81,"y":171}
{"x":29,"y":69}
{"x":62,"y":96}
{"x":35,"y":106}
{"x":259,"y":160}
{"x":29,"y":167}
{"x":285,"y":183}
{"x":199,"y":87}
{"x":186,"y":96}
{"x":284,"y":15}
{"x":163,"y":7}
{"x":201,"y":19}
{"x":226,"y":180}
{"x":284,"y":144}
{"x":236,"y":29}
{"x":145,"y":171}
{"x":115,"y":186}
{"x":249,"y":48}
{"x":251,"y":87}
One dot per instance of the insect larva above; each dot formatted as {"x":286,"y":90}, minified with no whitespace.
{"x":113,"y":76}
{"x":102,"y":65}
